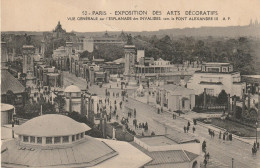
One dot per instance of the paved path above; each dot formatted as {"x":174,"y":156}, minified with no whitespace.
{"x":221,"y":151}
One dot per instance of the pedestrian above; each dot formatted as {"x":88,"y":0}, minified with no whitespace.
{"x":219,"y":135}
{"x":230,"y":137}
{"x":205,"y":162}
{"x":208,"y":156}
{"x":204,"y":146}
{"x":146,"y":126}
{"x":253,"y":150}
{"x":224,"y":134}
{"x":193,"y":129}
{"x":227,"y":136}
{"x":184,"y":129}
{"x":188,"y":123}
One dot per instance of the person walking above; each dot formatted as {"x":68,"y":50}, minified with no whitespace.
{"x":184,"y":129}
{"x":193,"y":129}
{"x":204,"y":146}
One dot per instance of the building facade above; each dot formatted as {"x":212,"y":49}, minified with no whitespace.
{"x":174,"y":97}
{"x":215,"y":77}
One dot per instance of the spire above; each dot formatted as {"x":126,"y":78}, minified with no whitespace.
{"x":251,"y":22}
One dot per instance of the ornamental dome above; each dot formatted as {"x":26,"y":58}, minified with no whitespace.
{"x":72,"y":89}
{"x":51,"y":125}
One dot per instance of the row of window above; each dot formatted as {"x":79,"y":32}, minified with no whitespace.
{"x":51,"y":140}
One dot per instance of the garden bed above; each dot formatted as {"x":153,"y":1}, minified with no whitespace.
{"x":232,"y":127}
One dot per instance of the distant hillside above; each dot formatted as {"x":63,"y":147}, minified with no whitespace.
{"x":231,"y":31}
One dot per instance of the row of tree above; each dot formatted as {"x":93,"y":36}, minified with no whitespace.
{"x":237,"y":51}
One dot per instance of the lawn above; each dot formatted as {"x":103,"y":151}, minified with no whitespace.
{"x":233,"y":127}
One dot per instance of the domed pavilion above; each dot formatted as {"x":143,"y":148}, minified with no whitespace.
{"x":73,"y":98}
{"x":54,"y":141}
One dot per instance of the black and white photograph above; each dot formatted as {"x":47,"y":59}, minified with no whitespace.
{"x":130,"y":83}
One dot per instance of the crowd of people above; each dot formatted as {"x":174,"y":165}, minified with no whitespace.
{"x":187,"y":128}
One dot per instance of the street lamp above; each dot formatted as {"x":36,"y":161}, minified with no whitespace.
{"x":256,"y":132}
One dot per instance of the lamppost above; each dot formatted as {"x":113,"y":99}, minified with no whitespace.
{"x":256,"y":132}
{"x":13,"y":122}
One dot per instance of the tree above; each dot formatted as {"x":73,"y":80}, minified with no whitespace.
{"x":238,"y":113}
{"x":60,"y":101}
{"x":222,"y":97}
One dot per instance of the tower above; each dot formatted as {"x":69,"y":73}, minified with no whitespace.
{"x":28,"y":53}
{"x":130,"y":57}
{"x":43,"y":47}
{"x":4,"y":56}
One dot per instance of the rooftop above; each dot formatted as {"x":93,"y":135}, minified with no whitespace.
{"x":216,"y":63}
{"x":157,"y":141}
{"x":175,"y":89}
{"x":162,"y":140}
{"x":6,"y":107}
{"x":72,"y":89}
{"x":8,"y":82}
{"x":169,"y":158}
{"x":51,"y":125}
{"x":86,"y":154}
{"x":120,"y":60}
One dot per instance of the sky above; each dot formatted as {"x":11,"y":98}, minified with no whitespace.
{"x":43,"y":15}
